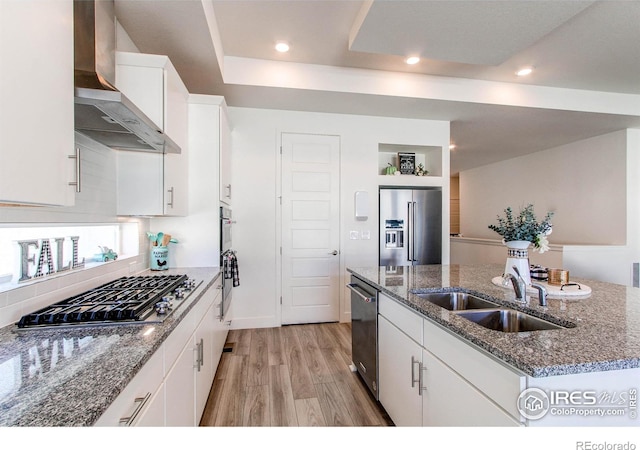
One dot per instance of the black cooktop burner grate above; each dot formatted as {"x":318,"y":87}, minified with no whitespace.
{"x":124,"y":299}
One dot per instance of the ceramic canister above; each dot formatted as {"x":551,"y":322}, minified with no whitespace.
{"x":158,"y":259}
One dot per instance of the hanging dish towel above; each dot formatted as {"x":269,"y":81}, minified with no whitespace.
{"x":231,"y":269}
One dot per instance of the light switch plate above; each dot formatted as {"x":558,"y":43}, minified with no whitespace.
{"x":353,"y":235}
{"x":366,"y":234}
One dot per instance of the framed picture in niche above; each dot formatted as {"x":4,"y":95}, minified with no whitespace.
{"x":407,"y":163}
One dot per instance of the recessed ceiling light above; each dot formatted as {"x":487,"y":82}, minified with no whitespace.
{"x":282,"y":47}
{"x":412,"y":60}
{"x":524,"y":71}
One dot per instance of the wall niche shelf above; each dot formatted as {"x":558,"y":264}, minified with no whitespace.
{"x":429,"y":156}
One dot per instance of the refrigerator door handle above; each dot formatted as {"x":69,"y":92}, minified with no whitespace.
{"x":413,"y":227}
{"x":410,"y":231}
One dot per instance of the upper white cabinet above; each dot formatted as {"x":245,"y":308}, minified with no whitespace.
{"x":225,"y":157}
{"x":36,"y":103}
{"x":148,"y":183}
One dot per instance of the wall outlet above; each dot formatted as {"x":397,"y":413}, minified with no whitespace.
{"x":354,"y":235}
{"x":366,"y":234}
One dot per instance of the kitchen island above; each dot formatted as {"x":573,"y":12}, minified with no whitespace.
{"x":71,"y":376}
{"x":597,"y":347}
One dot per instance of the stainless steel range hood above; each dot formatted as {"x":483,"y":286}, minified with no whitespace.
{"x":102,"y":112}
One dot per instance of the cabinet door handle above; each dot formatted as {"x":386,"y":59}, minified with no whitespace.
{"x":196,"y":364}
{"x":422,"y":368}
{"x":141,"y":401}
{"x":413,"y":372}
{"x":219,"y":317}
{"x":201,"y":354}
{"x":170,"y":202}
{"x":78,"y":182}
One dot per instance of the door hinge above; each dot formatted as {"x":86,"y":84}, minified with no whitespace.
{"x":281,"y":250}
{"x":281,"y":149}
{"x":281,"y":299}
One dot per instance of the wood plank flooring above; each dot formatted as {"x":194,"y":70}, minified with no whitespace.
{"x":290,"y":376}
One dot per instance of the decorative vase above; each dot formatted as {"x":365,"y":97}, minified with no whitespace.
{"x":518,"y":255}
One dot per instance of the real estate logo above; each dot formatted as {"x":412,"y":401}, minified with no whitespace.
{"x":534,"y":403}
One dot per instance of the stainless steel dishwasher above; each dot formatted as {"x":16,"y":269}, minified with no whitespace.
{"x":364,"y":331}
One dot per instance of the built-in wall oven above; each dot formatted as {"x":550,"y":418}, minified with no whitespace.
{"x":226,"y":258}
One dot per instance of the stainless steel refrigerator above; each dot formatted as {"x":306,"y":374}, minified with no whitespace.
{"x":410,"y":226}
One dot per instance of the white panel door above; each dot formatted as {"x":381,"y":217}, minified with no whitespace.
{"x":310,"y":228}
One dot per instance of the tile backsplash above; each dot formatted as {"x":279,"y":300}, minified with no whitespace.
{"x":14,"y":303}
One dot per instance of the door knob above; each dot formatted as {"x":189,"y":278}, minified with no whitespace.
{"x":334,"y":253}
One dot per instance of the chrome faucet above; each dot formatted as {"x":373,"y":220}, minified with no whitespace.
{"x":542,"y":293}
{"x":519,"y":286}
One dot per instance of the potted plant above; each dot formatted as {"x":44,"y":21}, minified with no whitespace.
{"x":518,"y":233}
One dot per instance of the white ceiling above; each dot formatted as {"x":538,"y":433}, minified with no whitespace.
{"x":590,"y":50}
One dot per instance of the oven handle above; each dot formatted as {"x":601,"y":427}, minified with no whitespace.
{"x":354,"y":287}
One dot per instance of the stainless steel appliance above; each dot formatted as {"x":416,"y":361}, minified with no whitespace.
{"x":364,"y":331}
{"x":101,"y":111}
{"x":127,"y":300}
{"x":410,"y":226}
{"x":226,"y":255}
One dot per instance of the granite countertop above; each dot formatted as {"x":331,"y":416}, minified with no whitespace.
{"x":606,"y":335}
{"x":69,"y":377}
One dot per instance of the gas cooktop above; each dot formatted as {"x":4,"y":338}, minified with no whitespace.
{"x":127,"y":300}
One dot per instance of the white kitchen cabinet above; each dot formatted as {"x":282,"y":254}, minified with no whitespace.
{"x":221,"y":327}
{"x":449,"y":400}
{"x":36,"y":111}
{"x":172,"y":388}
{"x":189,"y":379}
{"x":150,"y":183}
{"x":225,"y":158}
{"x":399,"y":358}
{"x":141,"y":403}
{"x":180,"y":388}
{"x":429,"y":377}
{"x":205,"y":365}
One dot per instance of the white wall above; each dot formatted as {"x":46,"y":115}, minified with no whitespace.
{"x":584,"y":183}
{"x":597,"y":217}
{"x":256,"y":140}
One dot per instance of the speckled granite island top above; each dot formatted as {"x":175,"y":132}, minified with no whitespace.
{"x":606,"y":335}
{"x":69,"y":377}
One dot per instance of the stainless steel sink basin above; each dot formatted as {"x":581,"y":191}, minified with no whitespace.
{"x":456,"y":301}
{"x":508,"y":320}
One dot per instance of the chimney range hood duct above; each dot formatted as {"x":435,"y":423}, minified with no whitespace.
{"x":102,"y":112}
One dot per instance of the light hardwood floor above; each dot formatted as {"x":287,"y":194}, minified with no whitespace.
{"x":295,"y":375}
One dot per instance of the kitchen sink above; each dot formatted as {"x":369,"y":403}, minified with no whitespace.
{"x":508,"y":320}
{"x":456,"y":301}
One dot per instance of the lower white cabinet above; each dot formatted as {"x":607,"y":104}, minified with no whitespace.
{"x":180,"y":389}
{"x":398,"y":360}
{"x":450,"y":400}
{"x":205,"y":366}
{"x":441,"y":380}
{"x":172,"y":388}
{"x":141,"y":403}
